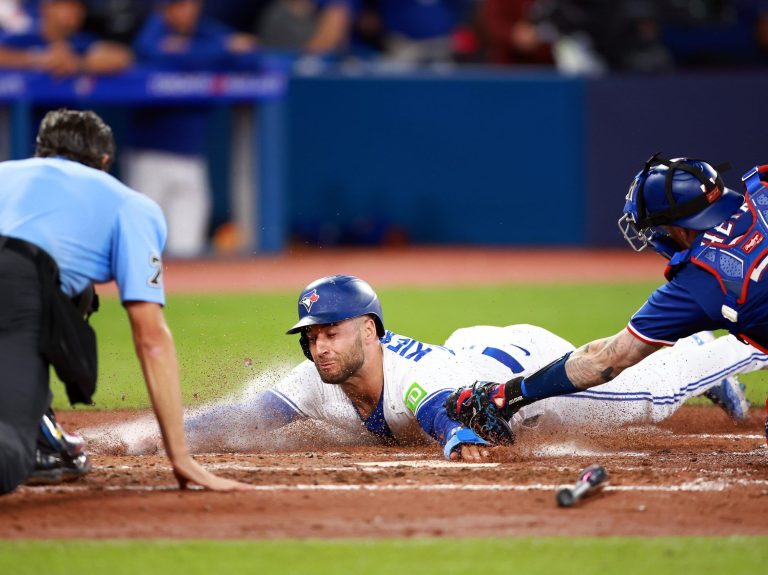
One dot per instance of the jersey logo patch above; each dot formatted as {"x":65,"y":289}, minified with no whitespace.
{"x":414,"y":396}
{"x":309,"y":299}
{"x":753,"y":242}
{"x":156,"y":279}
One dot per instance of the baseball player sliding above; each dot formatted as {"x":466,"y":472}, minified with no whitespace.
{"x":360,"y":376}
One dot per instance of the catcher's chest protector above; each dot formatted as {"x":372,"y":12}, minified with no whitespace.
{"x":735,"y":251}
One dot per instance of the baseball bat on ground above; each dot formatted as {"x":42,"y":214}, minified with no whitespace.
{"x":591,"y":479}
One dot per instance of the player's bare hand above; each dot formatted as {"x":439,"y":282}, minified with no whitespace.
{"x":470,"y":452}
{"x":59,"y":59}
{"x":190,"y":471}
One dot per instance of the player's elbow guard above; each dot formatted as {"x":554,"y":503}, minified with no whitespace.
{"x":461,"y":435}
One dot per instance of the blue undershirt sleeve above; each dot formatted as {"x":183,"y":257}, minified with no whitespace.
{"x":434,"y":420}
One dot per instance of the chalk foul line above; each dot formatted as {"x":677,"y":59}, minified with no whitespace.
{"x":697,"y":485}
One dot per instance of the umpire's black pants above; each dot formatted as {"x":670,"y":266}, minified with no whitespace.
{"x":24,"y":379}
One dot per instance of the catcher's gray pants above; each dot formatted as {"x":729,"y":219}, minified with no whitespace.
{"x":23,"y":372}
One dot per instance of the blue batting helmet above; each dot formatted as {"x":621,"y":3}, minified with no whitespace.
{"x":680,"y":192}
{"x":333,"y":299}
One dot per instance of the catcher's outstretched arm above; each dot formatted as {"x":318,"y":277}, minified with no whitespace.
{"x":602,"y":360}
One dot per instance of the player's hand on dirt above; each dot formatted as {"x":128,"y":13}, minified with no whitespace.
{"x":190,"y":471}
{"x":470,"y":452}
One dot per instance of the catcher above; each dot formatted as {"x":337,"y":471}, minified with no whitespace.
{"x":713,"y":237}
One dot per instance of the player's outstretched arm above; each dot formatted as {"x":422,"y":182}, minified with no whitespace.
{"x":157,"y":355}
{"x":602,"y":360}
{"x":458,"y":442}
{"x":231,"y":425}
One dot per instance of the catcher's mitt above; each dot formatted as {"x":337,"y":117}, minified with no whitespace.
{"x":476,"y":406}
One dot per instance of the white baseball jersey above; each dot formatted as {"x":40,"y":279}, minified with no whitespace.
{"x":414,"y":372}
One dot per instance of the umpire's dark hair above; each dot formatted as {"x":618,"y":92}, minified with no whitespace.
{"x":77,"y":135}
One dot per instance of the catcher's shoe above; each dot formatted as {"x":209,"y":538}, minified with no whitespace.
{"x":729,"y":395}
{"x":60,"y":456}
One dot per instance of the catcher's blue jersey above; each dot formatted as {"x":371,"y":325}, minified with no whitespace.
{"x":719,"y":282}
{"x":688,"y":304}
{"x":94,"y":227}
{"x":693,"y":300}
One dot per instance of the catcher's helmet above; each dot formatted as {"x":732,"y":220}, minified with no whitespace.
{"x":680,"y":192}
{"x":333,"y":299}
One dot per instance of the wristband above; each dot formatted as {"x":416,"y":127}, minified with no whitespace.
{"x":461,"y":435}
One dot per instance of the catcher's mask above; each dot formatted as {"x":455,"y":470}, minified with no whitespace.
{"x":333,"y":299}
{"x":678,"y":192}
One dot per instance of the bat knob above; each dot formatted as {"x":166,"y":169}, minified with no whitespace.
{"x":565,"y":497}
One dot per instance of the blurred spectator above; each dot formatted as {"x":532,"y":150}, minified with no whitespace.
{"x":761,"y":31}
{"x":177,"y":36}
{"x":240,"y":15}
{"x":512,"y":36}
{"x":313,"y":26}
{"x":716,"y":33}
{"x":367,"y":38}
{"x":56,"y":44}
{"x":421,"y":31}
{"x":595,"y":36}
{"x":14,"y":17}
{"x":167,"y":158}
{"x":117,"y":20}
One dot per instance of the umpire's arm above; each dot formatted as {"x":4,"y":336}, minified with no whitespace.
{"x":157,"y":355}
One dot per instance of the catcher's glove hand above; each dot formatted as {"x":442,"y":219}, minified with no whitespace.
{"x":481,"y":407}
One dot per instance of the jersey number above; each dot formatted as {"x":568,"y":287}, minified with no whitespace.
{"x":155,"y":280}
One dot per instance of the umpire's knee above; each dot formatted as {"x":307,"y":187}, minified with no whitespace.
{"x":16,"y":459}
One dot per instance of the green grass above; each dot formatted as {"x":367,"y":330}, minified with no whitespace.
{"x":216,"y":333}
{"x":524,"y":556}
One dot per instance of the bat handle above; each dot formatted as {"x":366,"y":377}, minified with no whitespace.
{"x":565,"y":497}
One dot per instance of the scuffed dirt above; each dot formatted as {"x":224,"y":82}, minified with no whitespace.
{"x":698,"y":474}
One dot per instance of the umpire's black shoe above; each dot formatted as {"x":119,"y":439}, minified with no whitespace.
{"x":59,"y":456}
{"x":48,"y":469}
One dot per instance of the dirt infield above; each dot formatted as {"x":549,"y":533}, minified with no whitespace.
{"x":698,"y":474}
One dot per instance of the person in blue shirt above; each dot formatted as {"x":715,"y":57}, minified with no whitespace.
{"x":167,"y":158}
{"x":63,"y":205}
{"x":56,"y":44}
{"x":715,"y":240}
{"x":319,"y":27}
{"x":420,"y":31}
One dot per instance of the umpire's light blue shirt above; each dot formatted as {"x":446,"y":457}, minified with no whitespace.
{"x":96,"y":228}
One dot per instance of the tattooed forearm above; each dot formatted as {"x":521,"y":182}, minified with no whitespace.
{"x":585,"y":372}
{"x":592,"y":346}
{"x":602,"y":360}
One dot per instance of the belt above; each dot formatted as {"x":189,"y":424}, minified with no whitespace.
{"x":22,"y":247}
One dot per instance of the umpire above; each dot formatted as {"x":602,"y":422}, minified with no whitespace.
{"x":62,"y":204}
